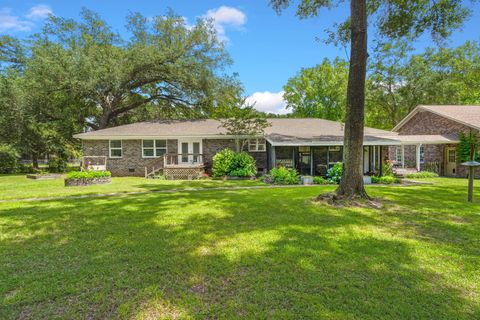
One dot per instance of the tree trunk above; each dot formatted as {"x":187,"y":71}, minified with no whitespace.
{"x":351,"y":185}
{"x":35,"y":160}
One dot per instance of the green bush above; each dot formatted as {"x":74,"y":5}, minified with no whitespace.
{"x":282,"y":175}
{"x":8,"y":158}
{"x":421,"y":175}
{"x":88,"y":174}
{"x":233,"y":164}
{"x":387,"y":170}
{"x":57,"y":164}
{"x":334,"y":174}
{"x":385,"y":180}
{"x":320,"y":180}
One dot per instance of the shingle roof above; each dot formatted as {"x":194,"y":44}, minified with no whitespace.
{"x":280,"y":130}
{"x":467,"y":115}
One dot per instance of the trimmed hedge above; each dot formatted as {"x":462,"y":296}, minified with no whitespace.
{"x":421,"y":175}
{"x":8,"y":158}
{"x":88,"y":174}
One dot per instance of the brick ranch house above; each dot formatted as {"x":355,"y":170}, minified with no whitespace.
{"x":424,"y":139}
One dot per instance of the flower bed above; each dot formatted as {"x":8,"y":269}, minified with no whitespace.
{"x":86,"y":178}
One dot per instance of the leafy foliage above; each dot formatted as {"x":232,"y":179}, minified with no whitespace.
{"x":468,"y":144}
{"x":88,"y":174}
{"x":8,"y":158}
{"x":282,"y":175}
{"x":421,"y":175}
{"x":242,"y":122}
{"x":320,"y":180}
{"x":334,"y":174}
{"x":228,"y":163}
{"x":385,"y":179}
{"x":319,"y":92}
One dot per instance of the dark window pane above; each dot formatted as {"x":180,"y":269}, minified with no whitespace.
{"x":148,"y":152}
{"x":160,"y":143}
{"x":160,"y":152}
{"x":116,"y":152}
{"x":148,"y":143}
{"x":115,"y":143}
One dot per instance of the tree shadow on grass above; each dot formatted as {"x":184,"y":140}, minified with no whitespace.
{"x":211,"y":254}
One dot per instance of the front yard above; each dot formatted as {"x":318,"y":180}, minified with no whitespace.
{"x":258,"y":253}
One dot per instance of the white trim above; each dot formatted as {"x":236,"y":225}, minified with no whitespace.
{"x":146,"y":137}
{"x":116,"y":148}
{"x":154,"y":148}
{"x":331,"y":143}
{"x":190,"y":142}
{"x":256,"y":145}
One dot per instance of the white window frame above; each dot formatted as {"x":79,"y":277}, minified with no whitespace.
{"x":115,"y":148}
{"x":422,"y":154}
{"x":398,"y":155}
{"x":154,"y":148}
{"x":253,"y":145}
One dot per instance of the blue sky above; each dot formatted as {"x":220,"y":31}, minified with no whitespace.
{"x":267,"y":49}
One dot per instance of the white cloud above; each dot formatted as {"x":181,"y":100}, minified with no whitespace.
{"x":226,"y":17}
{"x":10,"y":22}
{"x":270,"y":102}
{"x":39,"y":12}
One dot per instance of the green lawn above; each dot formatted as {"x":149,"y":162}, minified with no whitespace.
{"x":19,"y":187}
{"x":263,"y":254}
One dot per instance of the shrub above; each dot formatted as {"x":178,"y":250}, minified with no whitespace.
{"x":421,"y":175}
{"x":88,"y":174}
{"x":387,"y":169}
{"x":320,"y":180}
{"x":8,"y":158}
{"x":233,"y":164}
{"x":334,"y":174}
{"x":57,"y":164}
{"x":282,"y":175}
{"x":385,"y":180}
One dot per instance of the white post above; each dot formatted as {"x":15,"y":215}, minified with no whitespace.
{"x":403,"y":156}
{"x":417,"y":160}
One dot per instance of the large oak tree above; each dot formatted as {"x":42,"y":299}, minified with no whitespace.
{"x":389,"y":19}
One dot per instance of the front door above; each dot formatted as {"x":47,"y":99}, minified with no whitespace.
{"x":304,"y":160}
{"x":190,"y":151}
{"x":451,"y":162}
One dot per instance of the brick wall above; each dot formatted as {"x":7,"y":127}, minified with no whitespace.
{"x":426,"y":122}
{"x":212,"y":146}
{"x":132,"y":164}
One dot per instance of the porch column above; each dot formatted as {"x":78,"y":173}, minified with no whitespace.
{"x":417,"y":160}
{"x":403,"y":156}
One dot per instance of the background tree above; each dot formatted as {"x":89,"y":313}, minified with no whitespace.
{"x":392,"y":19}
{"x":319,"y":92}
{"x":242,"y":121}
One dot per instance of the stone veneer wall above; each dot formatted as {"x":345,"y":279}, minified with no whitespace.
{"x":131,"y":163}
{"x":426,"y":122}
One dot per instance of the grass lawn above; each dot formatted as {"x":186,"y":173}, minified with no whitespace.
{"x":19,"y":187}
{"x":264,"y":253}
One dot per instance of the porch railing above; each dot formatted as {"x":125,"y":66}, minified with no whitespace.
{"x":178,"y":159}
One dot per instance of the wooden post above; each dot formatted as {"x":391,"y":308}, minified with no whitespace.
{"x":471,"y":175}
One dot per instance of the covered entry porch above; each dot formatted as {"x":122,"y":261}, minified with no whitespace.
{"x":316,"y":160}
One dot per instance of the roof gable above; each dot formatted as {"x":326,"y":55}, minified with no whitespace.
{"x":468,"y":115}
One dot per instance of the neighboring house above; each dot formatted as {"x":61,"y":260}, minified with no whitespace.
{"x":425,"y":139}
{"x":444,"y":121}
{"x":310,"y":145}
